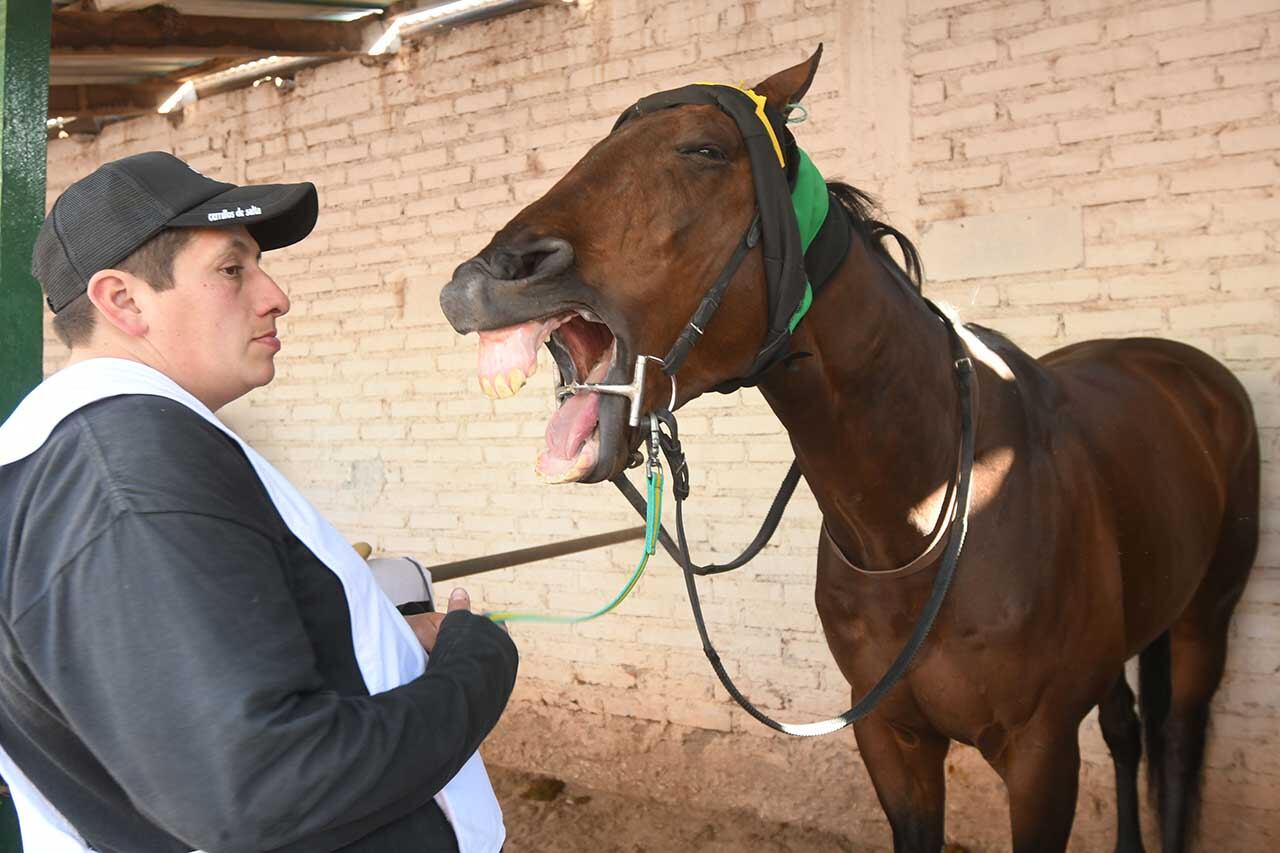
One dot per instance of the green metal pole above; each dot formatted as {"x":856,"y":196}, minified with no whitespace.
{"x":24,"y":86}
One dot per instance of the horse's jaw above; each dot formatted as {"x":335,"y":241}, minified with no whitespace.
{"x":586,"y":439}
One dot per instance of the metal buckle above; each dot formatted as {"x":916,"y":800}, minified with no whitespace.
{"x":633,"y":392}
{"x":655,"y":435}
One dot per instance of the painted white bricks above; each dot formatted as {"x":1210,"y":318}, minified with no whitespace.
{"x":975,"y":116}
{"x":1075,"y":100}
{"x":1215,"y":111}
{"x":1005,"y":243}
{"x":930,"y":31}
{"x":1211,"y":44}
{"x":1264,"y":138}
{"x":1235,"y":173}
{"x":1006,"y":77}
{"x":959,"y":179}
{"x":1074,"y":163}
{"x":1180,"y":16}
{"x":1053,"y":38}
{"x":1008,"y":141}
{"x":1085,"y":64}
{"x":1162,"y":151}
{"x":1070,"y":169}
{"x":999,"y":18}
{"x":1251,"y":278}
{"x":1111,"y":124}
{"x":978,"y":53}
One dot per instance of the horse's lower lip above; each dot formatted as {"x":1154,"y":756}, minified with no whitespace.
{"x":612,"y":423}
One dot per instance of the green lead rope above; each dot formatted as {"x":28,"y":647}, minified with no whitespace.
{"x":653,"y":523}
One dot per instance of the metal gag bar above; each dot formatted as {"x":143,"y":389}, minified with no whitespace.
{"x":633,"y":392}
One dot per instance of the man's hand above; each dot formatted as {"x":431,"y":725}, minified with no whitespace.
{"x":427,"y":625}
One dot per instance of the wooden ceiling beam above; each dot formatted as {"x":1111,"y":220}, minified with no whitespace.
{"x":161,"y":31}
{"x":88,"y":125}
{"x":107,"y":99}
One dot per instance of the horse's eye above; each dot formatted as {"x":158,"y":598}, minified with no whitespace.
{"x":707,"y":152}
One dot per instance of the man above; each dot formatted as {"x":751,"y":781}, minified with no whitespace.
{"x":190,"y":656}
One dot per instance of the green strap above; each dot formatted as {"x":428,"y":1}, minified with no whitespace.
{"x":810,"y":199}
{"x":653,"y":523}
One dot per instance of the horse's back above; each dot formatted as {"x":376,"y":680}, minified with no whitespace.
{"x":1155,"y":377}
{"x":1173,"y":446}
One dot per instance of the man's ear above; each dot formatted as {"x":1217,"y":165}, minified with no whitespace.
{"x":113,"y":292}
{"x":788,"y":87}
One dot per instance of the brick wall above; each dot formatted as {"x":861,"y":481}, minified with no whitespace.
{"x":1070,"y":168}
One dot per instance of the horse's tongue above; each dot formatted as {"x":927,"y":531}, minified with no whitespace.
{"x":572,"y":425}
{"x":509,"y":356}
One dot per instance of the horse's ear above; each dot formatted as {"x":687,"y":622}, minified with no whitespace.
{"x":788,"y":87}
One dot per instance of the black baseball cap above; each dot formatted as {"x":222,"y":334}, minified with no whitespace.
{"x":105,"y":216}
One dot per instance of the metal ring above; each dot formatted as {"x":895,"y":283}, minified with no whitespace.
{"x":671,"y":406}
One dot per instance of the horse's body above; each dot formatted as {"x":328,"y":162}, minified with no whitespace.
{"x":1115,"y":488}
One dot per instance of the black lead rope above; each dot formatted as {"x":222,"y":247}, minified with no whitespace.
{"x":924,"y":623}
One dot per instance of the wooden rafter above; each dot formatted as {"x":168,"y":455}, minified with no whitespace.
{"x":161,"y":31}
{"x":108,"y":99}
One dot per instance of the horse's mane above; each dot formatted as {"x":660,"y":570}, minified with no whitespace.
{"x":1040,"y":393}
{"x":862,"y":208}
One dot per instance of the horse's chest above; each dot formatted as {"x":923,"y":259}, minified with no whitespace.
{"x":972,"y":670}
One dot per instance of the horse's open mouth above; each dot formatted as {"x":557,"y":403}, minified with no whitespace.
{"x":585,"y":350}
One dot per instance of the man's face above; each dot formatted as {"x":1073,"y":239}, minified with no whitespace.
{"x":215,"y":330}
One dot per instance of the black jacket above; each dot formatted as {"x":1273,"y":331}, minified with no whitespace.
{"x":177,"y":669}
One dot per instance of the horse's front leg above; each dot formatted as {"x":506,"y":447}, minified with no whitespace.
{"x":1040,"y":766}
{"x":906,"y":767}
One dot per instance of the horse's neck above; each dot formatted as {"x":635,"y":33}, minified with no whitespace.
{"x":872,"y":415}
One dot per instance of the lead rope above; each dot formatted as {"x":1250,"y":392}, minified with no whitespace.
{"x":652,"y":512}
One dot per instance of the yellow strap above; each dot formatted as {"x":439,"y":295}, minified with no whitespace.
{"x":759,"y":101}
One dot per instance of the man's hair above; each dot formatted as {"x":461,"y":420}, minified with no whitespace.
{"x":152,"y":262}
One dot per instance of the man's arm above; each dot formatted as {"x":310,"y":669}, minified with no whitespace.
{"x":174,"y":648}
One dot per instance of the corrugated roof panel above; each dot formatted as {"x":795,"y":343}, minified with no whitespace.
{"x":67,"y":70}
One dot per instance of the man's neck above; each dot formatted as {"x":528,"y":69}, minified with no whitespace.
{"x":95,"y":350}
{"x":109,"y":349}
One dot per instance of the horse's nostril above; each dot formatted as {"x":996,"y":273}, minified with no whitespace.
{"x":538,"y":259}
{"x":526,"y":265}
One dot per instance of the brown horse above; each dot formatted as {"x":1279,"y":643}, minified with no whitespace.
{"x":1115,"y":489}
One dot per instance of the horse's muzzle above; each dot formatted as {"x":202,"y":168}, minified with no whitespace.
{"x":499,"y":287}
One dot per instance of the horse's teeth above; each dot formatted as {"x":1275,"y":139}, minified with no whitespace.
{"x":501,"y":388}
{"x":517,"y":379}
{"x":487,"y":387}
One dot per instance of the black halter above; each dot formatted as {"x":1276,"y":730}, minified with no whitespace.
{"x":772,"y":150}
